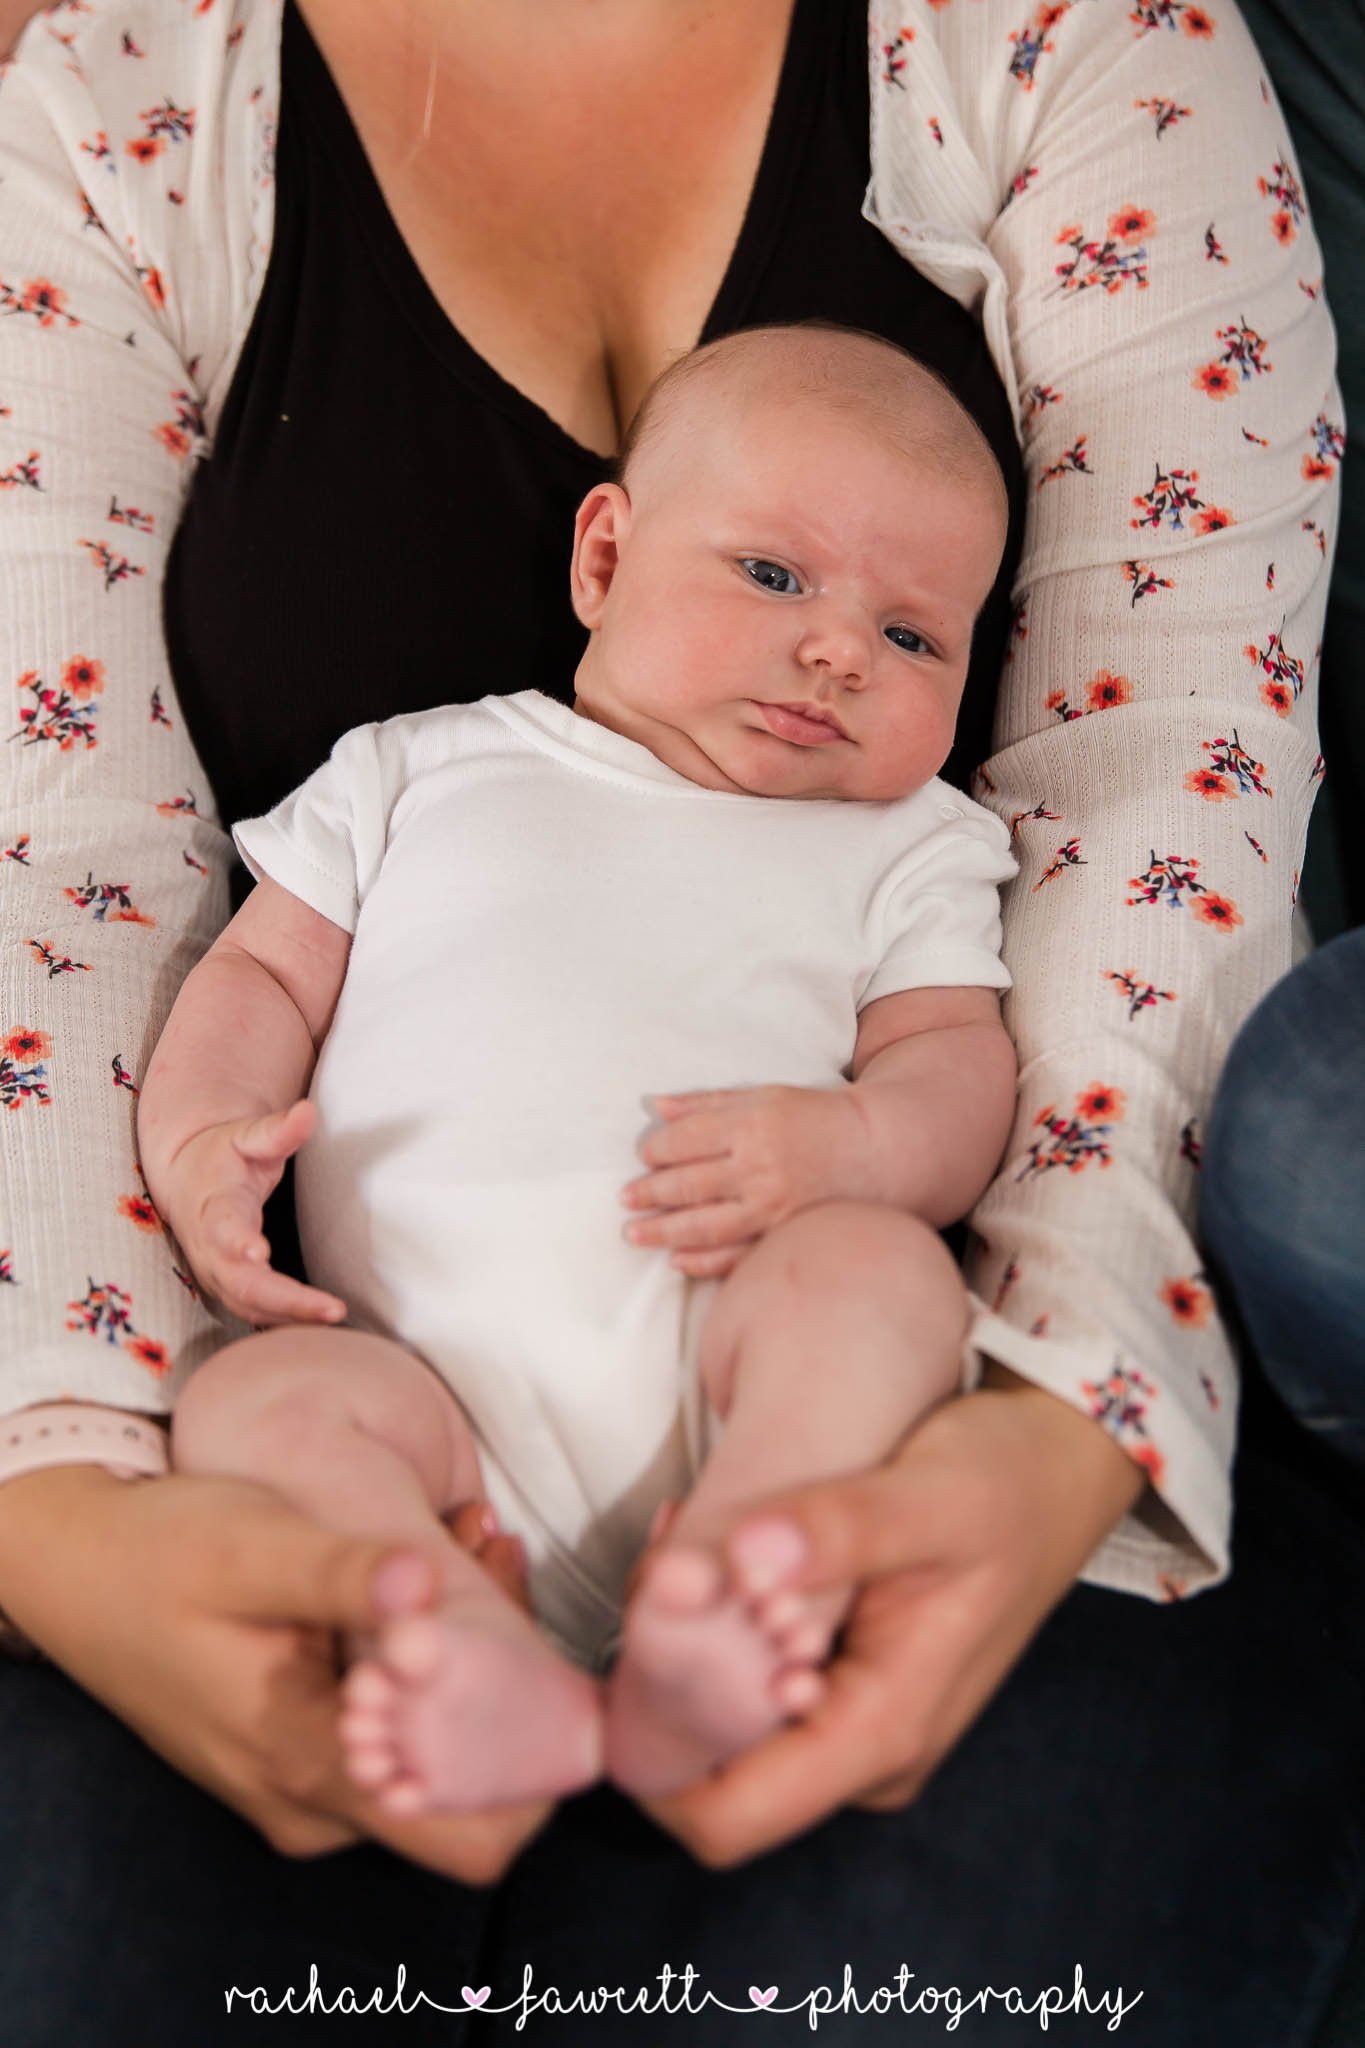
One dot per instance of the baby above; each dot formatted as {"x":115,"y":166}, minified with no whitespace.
{"x":488,"y":934}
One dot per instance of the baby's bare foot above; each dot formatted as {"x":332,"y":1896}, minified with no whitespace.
{"x":468,"y":1708}
{"x":705,"y":1671}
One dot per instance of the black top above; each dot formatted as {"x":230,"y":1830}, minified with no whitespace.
{"x":385,"y":524}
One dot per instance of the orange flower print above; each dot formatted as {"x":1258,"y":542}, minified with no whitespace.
{"x":1219,"y":911}
{"x":1120,"y":1402}
{"x":178,"y":435}
{"x":1073,"y":1141}
{"x":45,"y":301}
{"x":1073,"y":233}
{"x":143,"y":148}
{"x":1101,"y":1104}
{"x":1107,"y":690}
{"x":1150,"y":1459}
{"x":1195,"y":22}
{"x":83,"y":677}
{"x":1213,"y":519}
{"x":26,"y":1047}
{"x":1189,"y":1301}
{"x":138,"y":1209}
{"x":1208,"y":783}
{"x":1284,"y":189}
{"x":154,"y":287}
{"x":1314,"y":468}
{"x":148,"y":1352}
{"x":1215,"y":380}
{"x":23,"y":1077}
{"x":1284,"y":670}
{"x":1131,"y":223}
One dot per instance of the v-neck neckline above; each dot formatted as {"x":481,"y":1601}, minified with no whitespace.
{"x":308,"y":90}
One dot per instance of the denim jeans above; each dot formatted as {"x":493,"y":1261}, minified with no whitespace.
{"x":1282,"y":1208}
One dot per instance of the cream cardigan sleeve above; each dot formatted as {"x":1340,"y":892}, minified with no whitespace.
{"x":1112,"y":185}
{"x":134,"y":206}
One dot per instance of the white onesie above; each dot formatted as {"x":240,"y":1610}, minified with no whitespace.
{"x":550,"y":926}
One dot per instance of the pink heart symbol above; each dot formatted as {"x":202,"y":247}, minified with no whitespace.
{"x":474,"y":1997}
{"x":763,"y":1997}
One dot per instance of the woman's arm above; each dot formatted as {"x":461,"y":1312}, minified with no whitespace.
{"x":112,"y":868}
{"x":14,"y":16}
{"x":1155,"y":283}
{"x":1153,"y":277}
{"x":201,"y":1612}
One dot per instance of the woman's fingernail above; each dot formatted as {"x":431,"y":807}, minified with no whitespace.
{"x":766,"y":1553}
{"x":400,"y":1584}
{"x":488,"y":1521}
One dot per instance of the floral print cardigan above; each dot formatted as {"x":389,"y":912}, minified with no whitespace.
{"x":1111,"y":187}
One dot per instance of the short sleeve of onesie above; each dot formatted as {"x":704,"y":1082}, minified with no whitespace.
{"x":325,"y":841}
{"x":936,"y":912}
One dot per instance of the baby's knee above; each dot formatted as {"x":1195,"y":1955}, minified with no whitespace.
{"x":273,"y":1393}
{"x":843,"y":1263}
{"x":863,"y":1250}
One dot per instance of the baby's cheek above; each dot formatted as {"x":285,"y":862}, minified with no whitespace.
{"x":917,"y":747}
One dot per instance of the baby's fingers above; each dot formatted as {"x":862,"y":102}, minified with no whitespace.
{"x":260,"y":1295}
{"x":712,"y":1265}
{"x":718,"y":1226}
{"x":267,"y":1140}
{"x":705,"y":1134}
{"x":230,"y":1228}
{"x":682,"y":1187}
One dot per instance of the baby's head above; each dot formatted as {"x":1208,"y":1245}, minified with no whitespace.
{"x":782,"y":586}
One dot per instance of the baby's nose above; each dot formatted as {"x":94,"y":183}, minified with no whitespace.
{"x":841,"y":646}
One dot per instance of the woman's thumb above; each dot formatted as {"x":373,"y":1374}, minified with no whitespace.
{"x":286,"y":1568}
{"x":851,"y":1528}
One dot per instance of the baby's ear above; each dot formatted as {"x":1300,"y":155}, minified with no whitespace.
{"x":599,"y":535}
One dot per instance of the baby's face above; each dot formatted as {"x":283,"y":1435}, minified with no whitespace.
{"x":790,"y":611}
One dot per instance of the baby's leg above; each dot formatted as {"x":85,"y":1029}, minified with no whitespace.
{"x":835,"y":1333}
{"x":466,"y":1707}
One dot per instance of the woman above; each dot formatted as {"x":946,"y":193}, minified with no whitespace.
{"x":398,"y":362}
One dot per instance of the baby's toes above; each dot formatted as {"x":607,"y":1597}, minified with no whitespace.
{"x":369,"y":1765}
{"x":414,"y":1647}
{"x":801,"y":1626}
{"x":403,"y":1797}
{"x":683,"y":1580}
{"x":799,"y":1691}
{"x":366,"y":1725}
{"x":367,"y":1688}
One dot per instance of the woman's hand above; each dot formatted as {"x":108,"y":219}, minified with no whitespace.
{"x":204,"y":1613}
{"x":962,"y":1543}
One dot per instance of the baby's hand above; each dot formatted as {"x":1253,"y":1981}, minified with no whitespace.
{"x":219,"y":1182}
{"x":731,"y":1163}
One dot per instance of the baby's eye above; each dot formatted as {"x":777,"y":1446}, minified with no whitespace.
{"x":771,"y":575}
{"x":907,"y":639}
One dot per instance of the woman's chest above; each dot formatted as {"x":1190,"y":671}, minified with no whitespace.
{"x":571,"y":200}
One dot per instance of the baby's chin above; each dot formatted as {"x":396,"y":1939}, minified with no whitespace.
{"x":803,"y":775}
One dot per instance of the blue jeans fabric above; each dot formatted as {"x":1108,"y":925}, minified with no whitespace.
{"x":1172,"y":1798}
{"x":1282,"y":1204}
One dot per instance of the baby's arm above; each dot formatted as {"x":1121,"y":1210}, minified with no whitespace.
{"x":921,"y":1127}
{"x":221,"y":1108}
